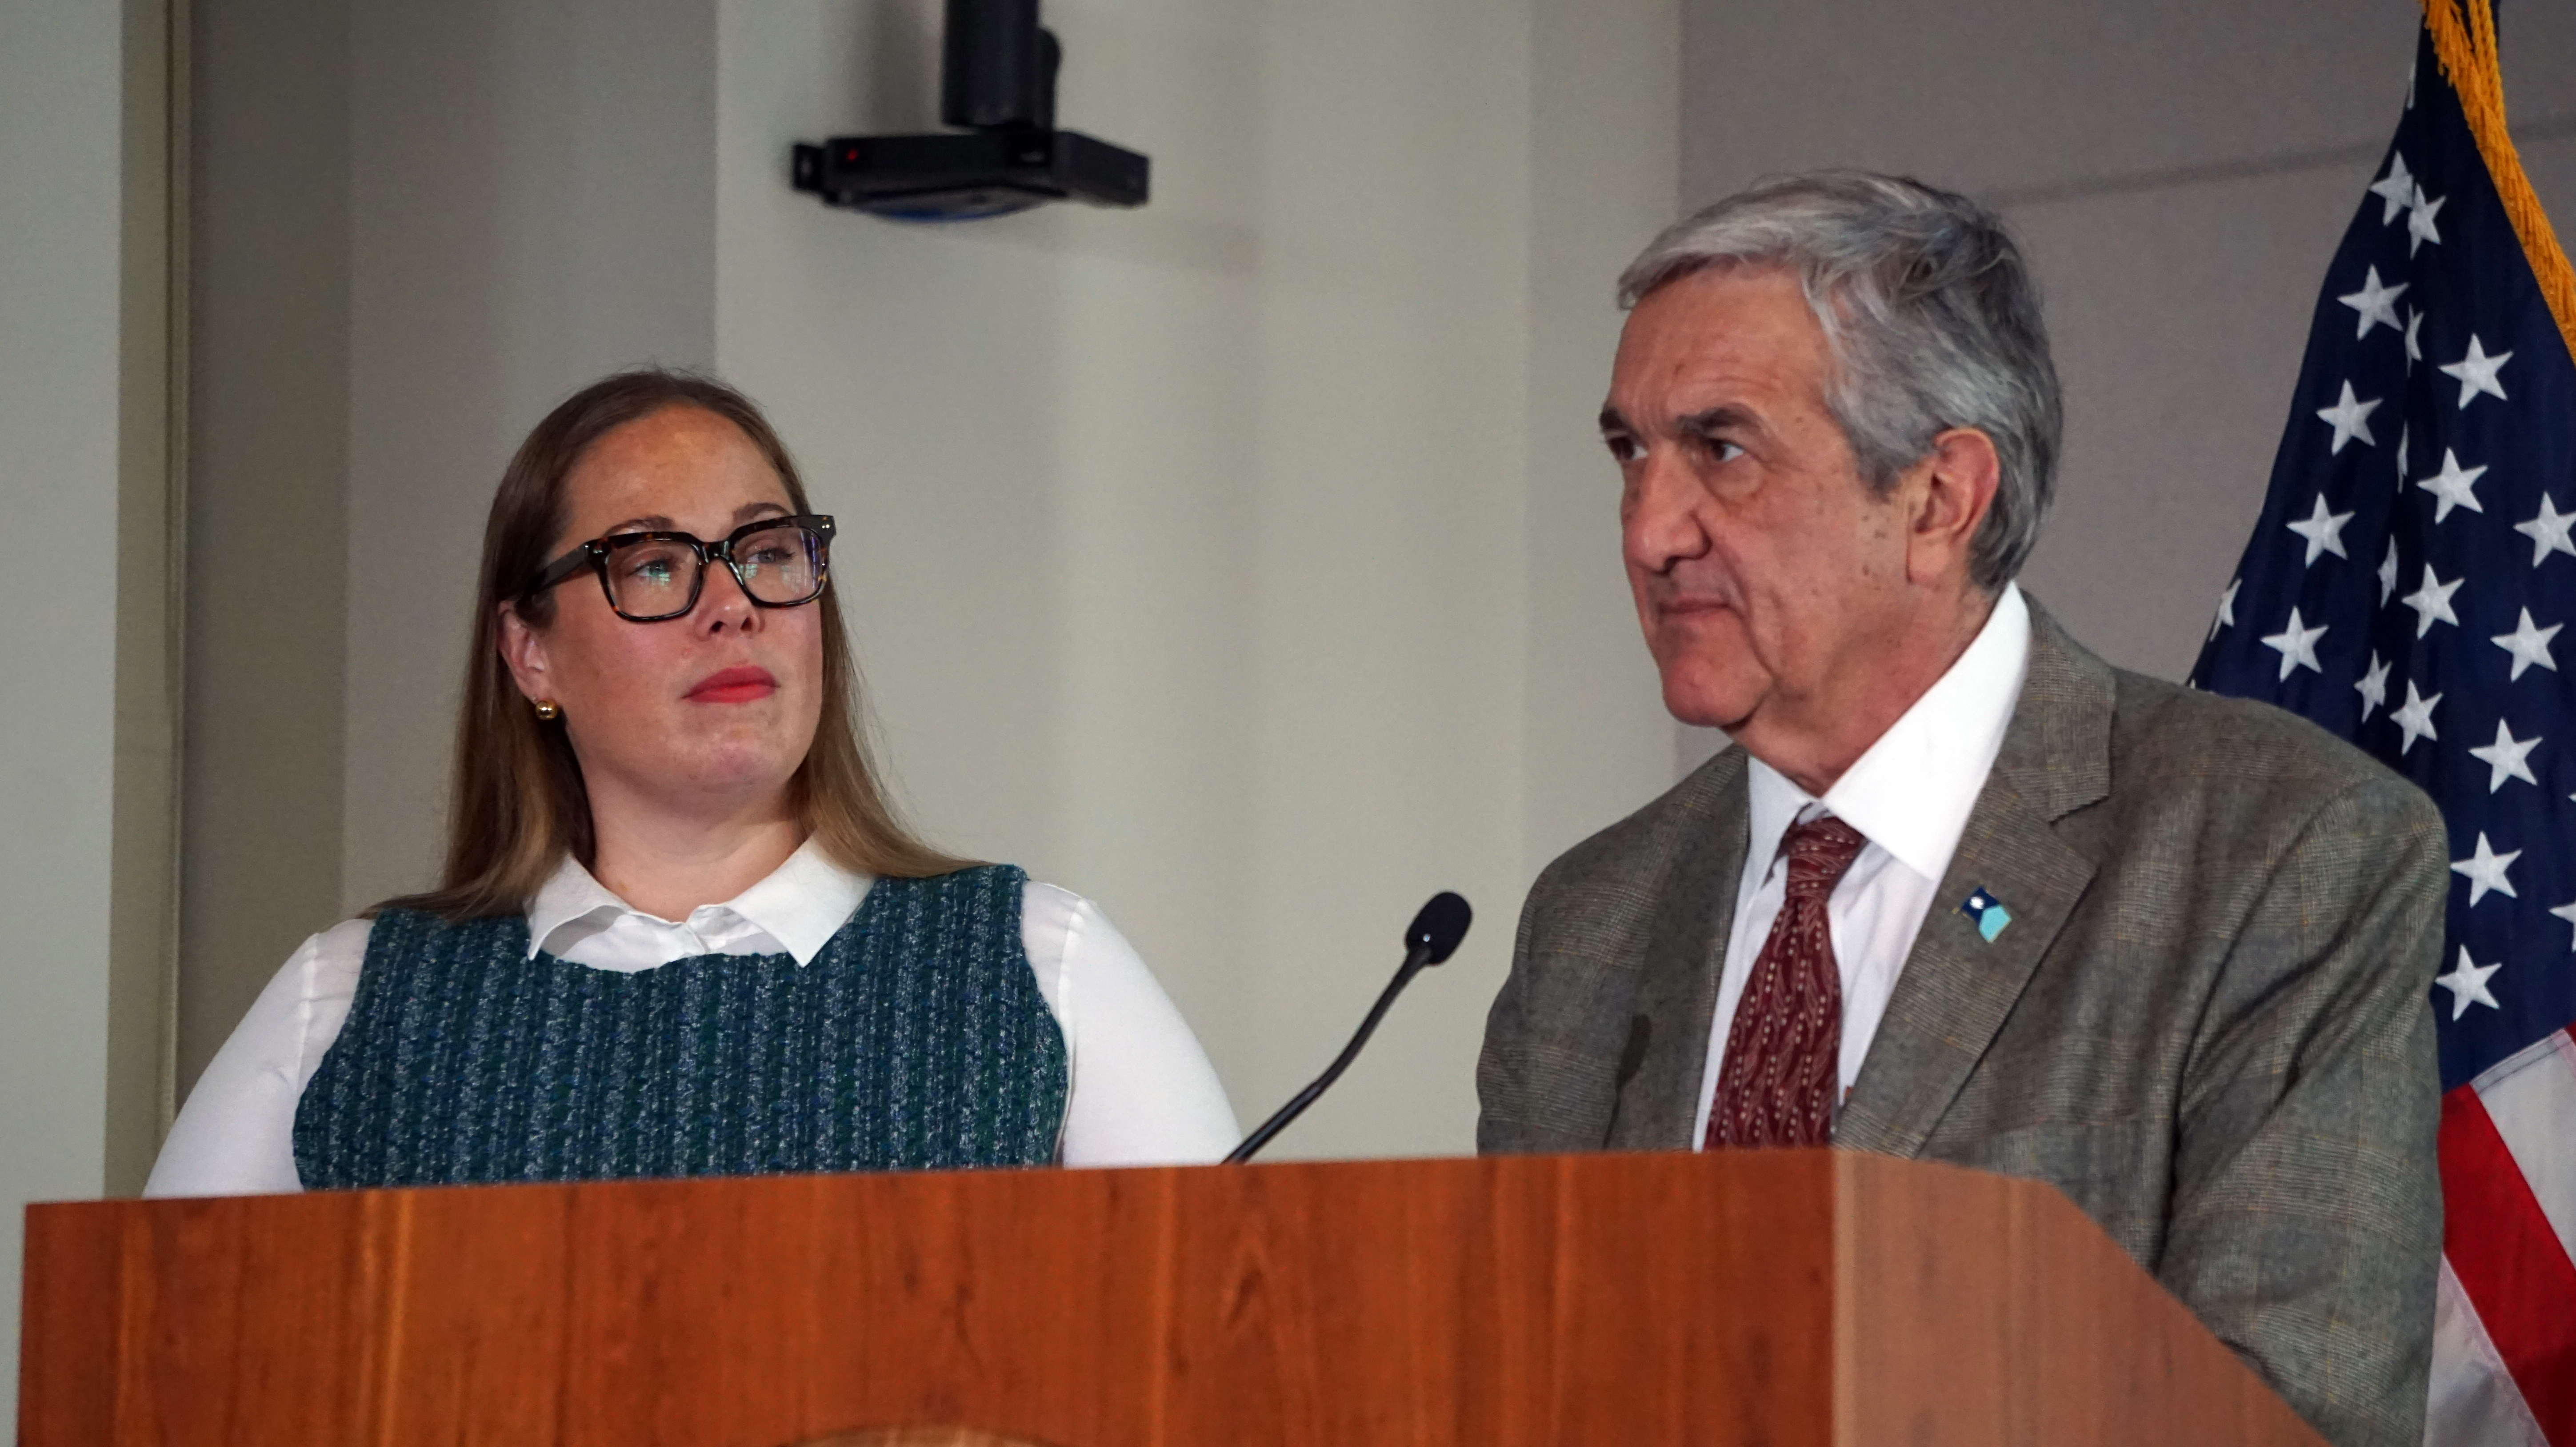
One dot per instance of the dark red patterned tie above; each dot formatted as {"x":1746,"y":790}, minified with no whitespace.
{"x":1783,"y":1052}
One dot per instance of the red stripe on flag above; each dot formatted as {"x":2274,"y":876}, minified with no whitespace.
{"x":2510,"y":1262}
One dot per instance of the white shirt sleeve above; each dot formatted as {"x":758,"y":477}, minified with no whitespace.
{"x":236,"y":1136}
{"x":1143,"y":1091}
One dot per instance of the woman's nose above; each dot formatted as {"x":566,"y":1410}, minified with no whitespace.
{"x":725,"y":603}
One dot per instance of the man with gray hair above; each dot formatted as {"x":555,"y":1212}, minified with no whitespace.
{"x":1963,"y":891}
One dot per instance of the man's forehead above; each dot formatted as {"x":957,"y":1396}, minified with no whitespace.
{"x":1729,"y":308}
{"x":1718,"y":339}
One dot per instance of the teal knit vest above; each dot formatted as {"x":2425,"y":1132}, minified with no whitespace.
{"x":915,"y":1039}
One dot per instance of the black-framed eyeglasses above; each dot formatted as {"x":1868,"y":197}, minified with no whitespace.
{"x":648,"y":577}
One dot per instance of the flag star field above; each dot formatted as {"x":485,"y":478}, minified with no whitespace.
{"x":2413,"y":567}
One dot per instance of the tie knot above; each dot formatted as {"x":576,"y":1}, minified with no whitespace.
{"x":1819,"y":851}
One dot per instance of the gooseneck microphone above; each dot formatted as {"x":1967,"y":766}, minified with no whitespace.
{"x":1436,"y":930}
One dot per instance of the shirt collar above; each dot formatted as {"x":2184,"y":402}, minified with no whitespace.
{"x":800,"y":905}
{"x":1912,"y":790}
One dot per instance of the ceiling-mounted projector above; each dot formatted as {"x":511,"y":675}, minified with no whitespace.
{"x":997,"y":78}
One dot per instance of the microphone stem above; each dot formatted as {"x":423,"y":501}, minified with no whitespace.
{"x":1279,"y":1120}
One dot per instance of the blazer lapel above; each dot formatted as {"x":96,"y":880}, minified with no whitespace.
{"x":1666,"y":1048}
{"x":1958,"y":986}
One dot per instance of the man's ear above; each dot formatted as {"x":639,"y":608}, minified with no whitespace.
{"x":1956,"y":491}
{"x":523,"y":649}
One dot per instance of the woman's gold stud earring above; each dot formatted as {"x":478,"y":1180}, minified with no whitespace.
{"x":547,"y":709}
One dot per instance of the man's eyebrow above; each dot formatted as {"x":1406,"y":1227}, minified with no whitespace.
{"x":1709,"y":422}
{"x":1705,"y":423}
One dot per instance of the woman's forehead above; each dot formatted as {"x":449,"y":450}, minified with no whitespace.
{"x":684,"y":464}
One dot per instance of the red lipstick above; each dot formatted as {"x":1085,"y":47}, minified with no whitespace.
{"x":739,"y":685}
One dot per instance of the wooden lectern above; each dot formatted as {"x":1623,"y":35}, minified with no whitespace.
{"x":1753,"y":1297}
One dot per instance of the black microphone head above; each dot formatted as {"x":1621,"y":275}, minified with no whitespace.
{"x":1438,"y":927}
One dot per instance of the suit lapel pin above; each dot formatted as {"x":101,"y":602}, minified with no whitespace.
{"x":1989,"y":913}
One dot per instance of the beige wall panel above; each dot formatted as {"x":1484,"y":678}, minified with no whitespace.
{"x":2017,"y":95}
{"x":2179,"y":316}
{"x":530,"y":207}
{"x":62,"y":69}
{"x":1600,"y":186}
{"x":268,"y":502}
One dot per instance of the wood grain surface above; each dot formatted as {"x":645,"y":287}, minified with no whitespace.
{"x":1977,"y":1309}
{"x":1788,"y":1297}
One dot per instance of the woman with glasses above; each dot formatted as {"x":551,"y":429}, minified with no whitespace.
{"x":679,"y":932}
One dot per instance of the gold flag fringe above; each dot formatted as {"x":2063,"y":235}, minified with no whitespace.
{"x":2468,"y":57}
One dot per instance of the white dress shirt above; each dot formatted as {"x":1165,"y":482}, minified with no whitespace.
{"x":1141,"y":1090}
{"x":1909,"y":795}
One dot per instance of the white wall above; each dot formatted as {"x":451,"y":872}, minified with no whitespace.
{"x":62,"y":249}
{"x":1217,"y":559}
{"x":1245,"y":561}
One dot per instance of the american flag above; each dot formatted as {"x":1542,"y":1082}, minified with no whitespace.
{"x":2406,"y":589}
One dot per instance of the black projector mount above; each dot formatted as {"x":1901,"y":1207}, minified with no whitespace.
{"x":997,"y":79}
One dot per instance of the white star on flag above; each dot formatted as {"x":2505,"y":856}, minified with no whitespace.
{"x":2477,"y":371}
{"x":2419,"y":222}
{"x":2414,"y":349}
{"x":2467,"y":982}
{"x":2397,"y":189}
{"x":2227,"y":608}
{"x":2455,"y":486}
{"x":2351,"y":419}
{"x":2432,"y":602}
{"x":2566,"y":913}
{"x":2373,"y":686}
{"x":2415,"y":717}
{"x":2548,"y":529}
{"x":2486,"y":871}
{"x":2323,"y":531}
{"x":2507,"y":759}
{"x":2375,"y":303}
{"x":2298,"y":646}
{"x":2388,"y":573}
{"x":2529,"y":645}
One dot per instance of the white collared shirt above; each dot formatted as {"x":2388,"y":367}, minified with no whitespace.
{"x":1142,"y":1091}
{"x":1910,"y":795}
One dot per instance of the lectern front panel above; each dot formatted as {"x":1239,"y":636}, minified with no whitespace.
{"x":1673,"y":1298}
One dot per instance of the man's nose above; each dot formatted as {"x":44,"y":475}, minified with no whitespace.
{"x":1661,"y":524}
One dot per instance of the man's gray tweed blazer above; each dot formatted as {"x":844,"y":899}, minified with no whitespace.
{"x":2208,"y":1022}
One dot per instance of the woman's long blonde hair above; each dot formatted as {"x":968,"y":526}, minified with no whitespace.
{"x":518,"y":806}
